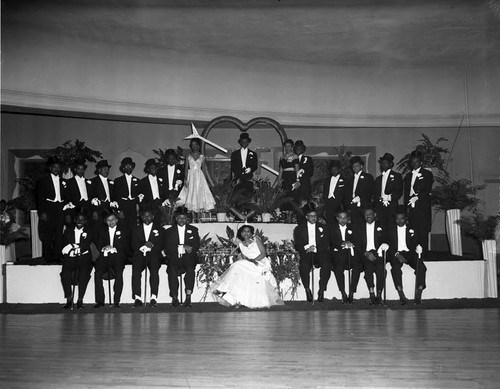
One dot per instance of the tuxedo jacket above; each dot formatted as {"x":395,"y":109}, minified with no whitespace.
{"x":301,"y":238}
{"x":157,"y":237}
{"x":237,"y":171}
{"x":120,"y":241}
{"x":45,"y":190}
{"x":121,"y":192}
{"x":341,"y":192}
{"x":178,"y":175}
{"x":393,"y":240}
{"x":145,"y":189}
{"x":86,"y":239}
{"x":394,"y":187}
{"x":191,"y":238}
{"x":351,"y":235}
{"x":422,"y":187}
{"x":306,"y":163}
{"x":73,"y":195}
{"x":97,"y":189}
{"x":364,"y":189}
{"x":378,"y":237}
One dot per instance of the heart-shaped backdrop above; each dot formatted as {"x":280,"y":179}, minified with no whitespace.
{"x":243,"y":127}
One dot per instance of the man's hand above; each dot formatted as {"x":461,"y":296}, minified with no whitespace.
{"x":371,"y":257}
{"x":188,"y":248}
{"x":401,"y":258}
{"x":149,"y":245}
{"x":311,"y":249}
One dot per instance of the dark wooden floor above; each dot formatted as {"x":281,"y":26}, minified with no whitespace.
{"x":365,"y":348}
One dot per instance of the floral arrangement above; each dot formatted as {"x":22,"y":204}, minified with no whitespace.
{"x":26,"y":199}
{"x":431,"y":153}
{"x":10,"y":231}
{"x":479,"y":227}
{"x":70,"y":152}
{"x":284,"y":265}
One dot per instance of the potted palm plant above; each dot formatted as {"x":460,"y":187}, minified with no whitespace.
{"x":70,"y":152}
{"x":221,"y":192}
{"x":452,"y":197}
{"x":267,"y":198}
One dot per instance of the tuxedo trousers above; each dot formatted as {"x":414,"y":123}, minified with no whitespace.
{"x":412,"y":260}
{"x":321,"y":260}
{"x":420,"y":220}
{"x":139,"y":263}
{"x":51,"y":232}
{"x":114,"y":264}
{"x":332,"y":206}
{"x":341,"y":263}
{"x":176,"y":267}
{"x":376,"y":268}
{"x":76,"y":271}
{"x":386,"y":216}
{"x":357,"y":217}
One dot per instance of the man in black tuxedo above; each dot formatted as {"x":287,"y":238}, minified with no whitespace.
{"x":243,"y":164}
{"x":345,"y":248}
{"x":388,"y":190}
{"x":302,"y":193}
{"x":126,"y":194}
{"x":182,"y":245}
{"x":404,"y":248}
{"x":101,"y":191}
{"x":417,"y":196}
{"x":361,"y":192}
{"x":335,"y":193}
{"x":152,"y":189}
{"x":312,"y":241}
{"x":113,"y":243}
{"x":50,"y":202}
{"x":371,"y":244}
{"x":77,"y":258}
{"x":148,"y":242}
{"x":76,"y":193}
{"x":173,"y":176}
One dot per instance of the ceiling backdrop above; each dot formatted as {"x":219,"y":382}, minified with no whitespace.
{"x":350,"y":62}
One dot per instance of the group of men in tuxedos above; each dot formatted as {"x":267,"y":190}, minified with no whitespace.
{"x":94,"y":223}
{"x":364,"y":223}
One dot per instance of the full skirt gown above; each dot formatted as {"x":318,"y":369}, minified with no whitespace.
{"x":196,"y":195}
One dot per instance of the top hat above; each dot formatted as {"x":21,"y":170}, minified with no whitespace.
{"x":357,"y":159}
{"x":151,"y":162}
{"x":102,"y":163}
{"x":181,"y":211}
{"x":127,"y":161}
{"x":387,"y":157}
{"x":52,"y":160}
{"x":299,"y":143}
{"x":244,"y":135}
{"x":335,"y":163}
{"x":308,"y":208}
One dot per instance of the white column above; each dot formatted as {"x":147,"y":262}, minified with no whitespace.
{"x":490,"y":270}
{"x":36,"y":243}
{"x":453,"y":231}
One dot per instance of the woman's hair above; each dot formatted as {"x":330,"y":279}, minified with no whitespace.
{"x":289,"y":142}
{"x":195,"y":140}
{"x":240,"y":230}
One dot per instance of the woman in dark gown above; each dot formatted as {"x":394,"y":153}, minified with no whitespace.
{"x":289,"y":166}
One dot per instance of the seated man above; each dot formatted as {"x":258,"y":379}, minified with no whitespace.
{"x":403,"y":249}
{"x":371,"y":245}
{"x":345,"y":255}
{"x":77,"y":258}
{"x":148,"y":241}
{"x":182,"y":244}
{"x":113,"y":245}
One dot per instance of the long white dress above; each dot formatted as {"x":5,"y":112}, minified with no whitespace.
{"x":246,"y":283}
{"x":196,"y":195}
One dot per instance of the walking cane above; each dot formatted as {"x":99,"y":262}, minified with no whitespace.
{"x":109,"y":282}
{"x":146,"y":281}
{"x":75,"y":272}
{"x":180,"y":277}
{"x":312,"y":276}
{"x":385,"y":276}
{"x":349,"y":269}
{"x":419,"y":253}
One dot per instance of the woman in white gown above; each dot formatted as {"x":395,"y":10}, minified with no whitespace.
{"x":249,"y":280}
{"x":196,"y":195}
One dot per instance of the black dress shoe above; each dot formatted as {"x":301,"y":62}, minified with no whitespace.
{"x":153,"y":303}
{"x":175,"y":302}
{"x":321,"y":296}
{"x":351,"y":298}
{"x":373,"y":299}
{"x":99,"y":305}
{"x":345,"y":300}
{"x":138,"y":303}
{"x":116,"y":305}
{"x":79,"y":304}
{"x":309,"y":295}
{"x":402,"y":297}
{"x":418,"y":297}
{"x":187,"y":301}
{"x":68,"y":305}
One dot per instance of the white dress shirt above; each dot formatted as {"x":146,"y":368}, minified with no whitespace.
{"x":333,"y":184}
{"x":414,"y":174}
{"x":147,"y":230}
{"x":370,"y":236}
{"x":128,"y":178}
{"x":82,"y":187}
{"x":355,"y":185}
{"x":343,"y":230}
{"x":153,"y":181}
{"x":311,"y":234}
{"x":56,"y":180}
{"x":244,"y":153}
{"x":385,"y":176}
{"x":78,"y":234}
{"x":300,"y":157}
{"x":182,"y":233}
{"x":171,"y":172}
{"x":402,"y":239}
{"x":111,"y":232}
{"x":106,"y":187}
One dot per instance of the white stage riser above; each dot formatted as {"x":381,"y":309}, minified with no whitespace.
{"x":445,"y":280}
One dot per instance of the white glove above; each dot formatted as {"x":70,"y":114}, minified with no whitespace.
{"x":419,"y":250}
{"x":386,"y":199}
{"x":300,"y":173}
{"x":178,"y":183}
{"x":352,"y":250}
{"x":144,"y":249}
{"x":67,"y":249}
{"x":412,"y":201}
{"x":383,"y":247}
{"x":295,"y":185}
{"x":181,"y":250}
{"x":113,"y":204}
{"x":141,"y":197}
{"x":166,"y":203}
{"x":107,"y":251}
{"x":356,"y":200}
{"x":68,"y":206}
{"x":96,"y":202}
{"x":248,"y":170}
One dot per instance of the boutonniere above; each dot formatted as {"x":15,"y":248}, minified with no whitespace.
{"x":349,"y":232}
{"x":419,"y":175}
{"x":63,"y":183}
{"x":189,"y":232}
{"x":89,"y":182}
{"x":118,"y":233}
{"x":390,"y":175}
{"x":155,"y":232}
{"x":160,"y":179}
{"x":84,"y":235}
{"x":411,"y":231}
{"x":305,"y":159}
{"x":134,"y":179}
{"x":379,"y":228}
{"x":361,"y":176}
{"x":320,"y":229}
{"x":341,"y":180}
{"x":178,"y":171}
{"x":111,"y":182}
